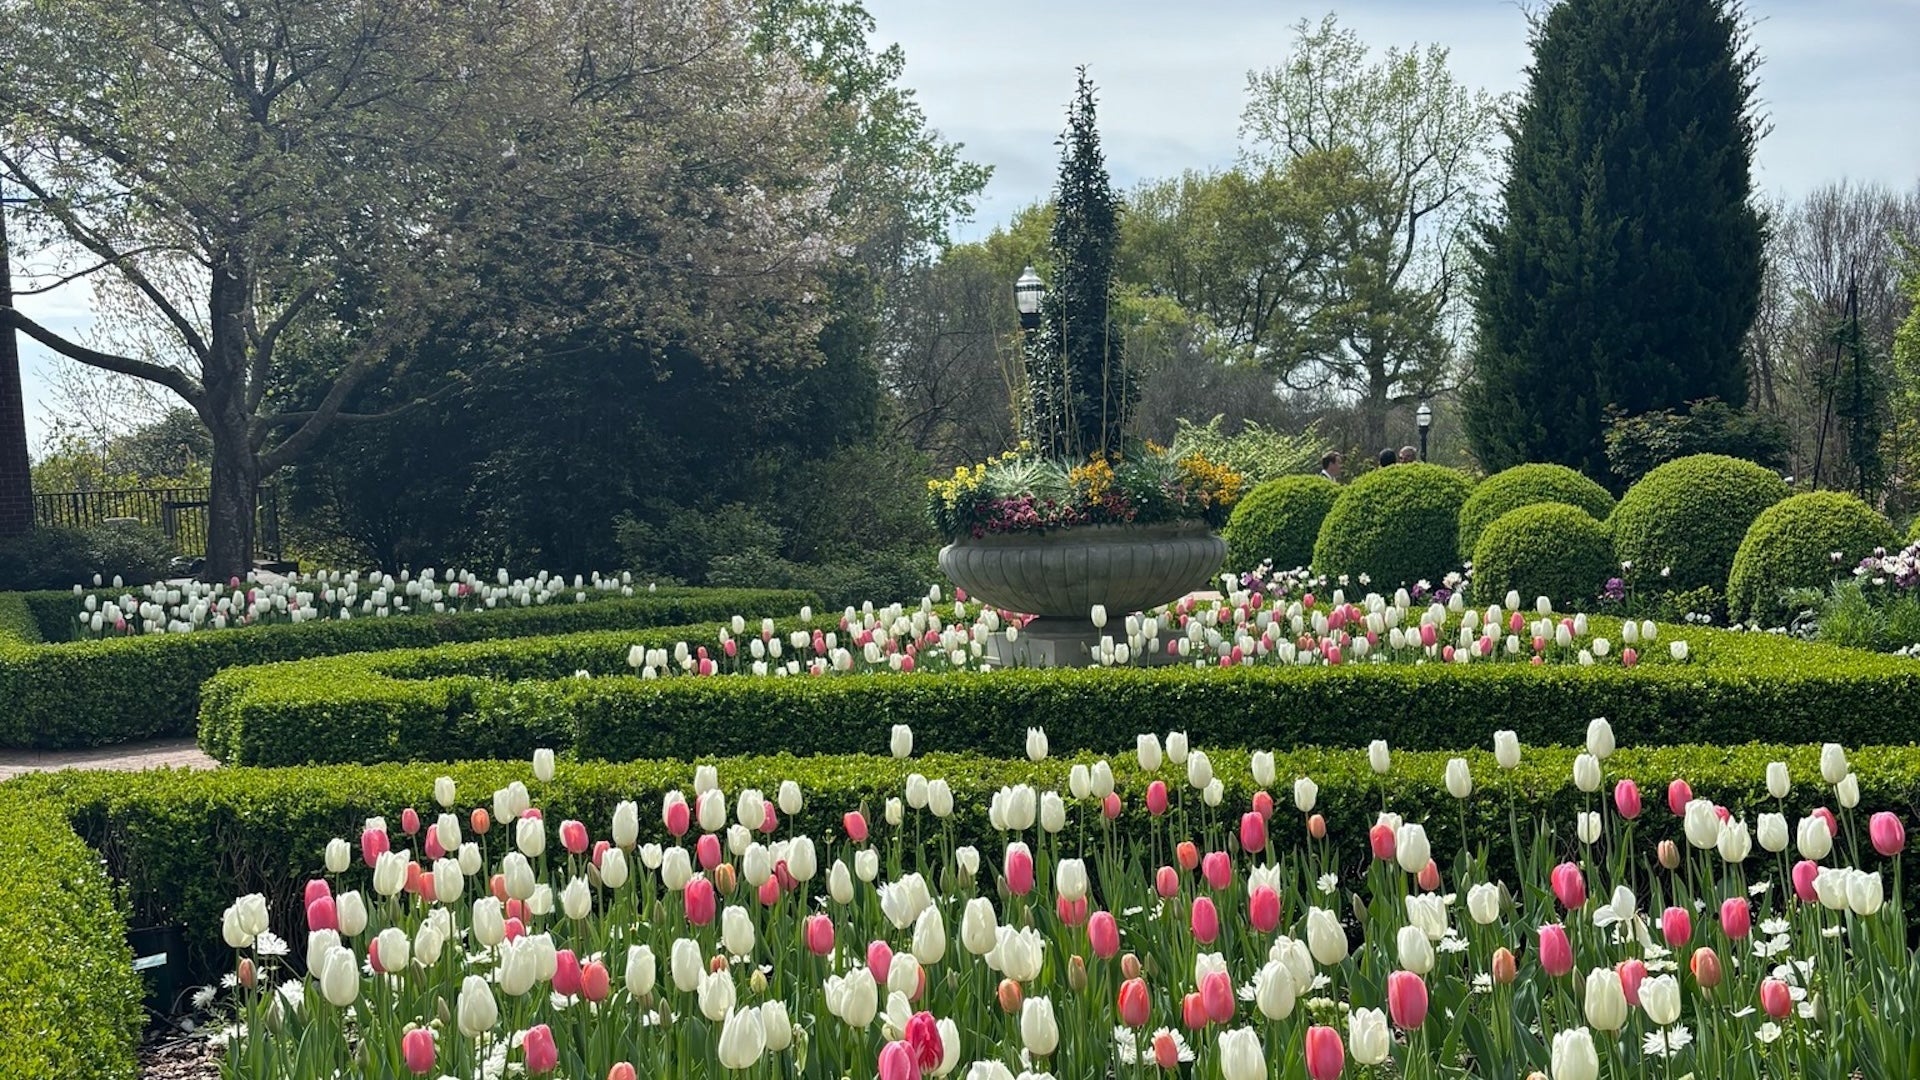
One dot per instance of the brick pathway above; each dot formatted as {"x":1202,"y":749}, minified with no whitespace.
{"x":128,"y":757}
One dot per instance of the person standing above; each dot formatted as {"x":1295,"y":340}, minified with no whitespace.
{"x":1387,"y":457}
{"x":1408,"y":455}
{"x":1330,"y":465}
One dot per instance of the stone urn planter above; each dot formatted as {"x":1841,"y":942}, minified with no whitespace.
{"x":1059,"y":577}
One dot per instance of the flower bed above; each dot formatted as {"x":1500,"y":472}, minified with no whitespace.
{"x":1335,"y":922}
{"x":505,"y":698}
{"x":89,"y":693}
{"x":67,"y":986}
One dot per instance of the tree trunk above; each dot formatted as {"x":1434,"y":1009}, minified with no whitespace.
{"x":230,"y":509}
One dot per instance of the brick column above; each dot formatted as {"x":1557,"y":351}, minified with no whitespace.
{"x":16,"y":478}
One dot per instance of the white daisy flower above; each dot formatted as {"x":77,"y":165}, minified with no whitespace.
{"x":1667,"y":1041}
{"x":1767,"y":1032}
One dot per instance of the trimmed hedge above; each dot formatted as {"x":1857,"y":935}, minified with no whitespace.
{"x":187,"y":843}
{"x":1527,"y":485}
{"x":1791,"y":546}
{"x":1546,"y":549}
{"x":90,"y":693}
{"x":1397,"y":525}
{"x":1913,"y":534}
{"x":418,"y":704}
{"x":67,"y":985}
{"x":1690,"y":515}
{"x":17,"y":620}
{"x":1279,"y":520}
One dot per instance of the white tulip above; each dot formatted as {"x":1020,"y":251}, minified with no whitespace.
{"x":1263,"y":768}
{"x":1326,"y":939}
{"x":1847,"y":791}
{"x":789,"y":798}
{"x":1368,"y":1039}
{"x":1411,"y":848}
{"x":1199,"y":770}
{"x":1833,"y":763}
{"x":1771,"y":831}
{"x":1702,"y":825}
{"x":1587,"y":826}
{"x":979,"y":929}
{"x":1415,"y":951}
{"x":1586,"y":773}
{"x":1813,"y":838}
{"x":684,"y":964}
{"x":1459,"y":779}
{"x":1379,"y":757}
{"x":339,"y":856}
{"x":641,"y":971}
{"x":1483,"y":903}
{"x":1735,"y":841}
{"x":1778,"y":782}
{"x":1147,"y":752}
{"x":901,"y":742}
{"x":477,"y":1011}
{"x":1600,"y":738}
{"x":1660,"y":997}
{"x":1038,"y":1029}
{"x":543,"y":764}
{"x":1176,"y":748}
{"x":1506,"y":749}
{"x":1036,"y":744}
{"x":1306,"y":794}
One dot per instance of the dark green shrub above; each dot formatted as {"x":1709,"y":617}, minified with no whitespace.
{"x":1792,"y":545}
{"x":1547,"y":549}
{"x":90,"y":693}
{"x":44,"y":557}
{"x":1689,"y":516}
{"x":1279,"y":520}
{"x":1397,"y":525}
{"x":505,"y":698}
{"x":1636,"y":445}
{"x":1526,"y":485}
{"x":897,"y":574}
{"x":67,"y":985}
{"x":137,"y":554}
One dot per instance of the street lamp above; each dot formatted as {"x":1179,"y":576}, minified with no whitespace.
{"x":1423,"y":416}
{"x":1028,"y":292}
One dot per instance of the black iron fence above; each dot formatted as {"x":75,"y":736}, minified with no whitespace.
{"x":181,"y":513}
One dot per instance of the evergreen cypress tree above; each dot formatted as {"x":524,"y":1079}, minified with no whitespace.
{"x":1081,"y":390}
{"x":1625,"y":267}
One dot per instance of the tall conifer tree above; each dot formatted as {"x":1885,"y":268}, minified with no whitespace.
{"x":1625,"y":266}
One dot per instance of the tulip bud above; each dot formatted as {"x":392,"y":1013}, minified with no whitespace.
{"x":1503,"y":969}
{"x":1669,"y":855}
{"x":1010,"y":996}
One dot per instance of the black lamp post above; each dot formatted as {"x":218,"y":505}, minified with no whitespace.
{"x":1423,"y":416}
{"x":1028,"y":292}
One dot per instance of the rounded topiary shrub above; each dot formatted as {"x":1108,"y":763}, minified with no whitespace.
{"x":1397,"y":525}
{"x":1913,"y":534}
{"x":1526,"y":485}
{"x":1279,"y":520}
{"x":1791,"y":545}
{"x":1546,"y":549}
{"x":1689,"y":516}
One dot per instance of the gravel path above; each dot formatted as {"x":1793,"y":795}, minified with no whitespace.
{"x":126,"y":757}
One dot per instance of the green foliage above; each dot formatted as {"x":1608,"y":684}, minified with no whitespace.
{"x":839,"y":583}
{"x":171,"y":451}
{"x":1638,"y":444}
{"x":1689,"y":517}
{"x":1524,"y":485}
{"x":1913,"y":534}
{"x":56,"y":557}
{"x":17,"y":621}
{"x":90,"y":693}
{"x":504,"y":698}
{"x":1279,"y":521}
{"x":1019,"y":492}
{"x":1398,"y":525}
{"x":1793,"y":544}
{"x":67,"y":984}
{"x":1624,"y":266}
{"x":1077,"y":377}
{"x":1545,"y":549}
{"x":1848,"y":614}
{"x":187,"y":843}
{"x":1257,"y":453}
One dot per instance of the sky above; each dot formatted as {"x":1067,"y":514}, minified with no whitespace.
{"x":1839,"y":85}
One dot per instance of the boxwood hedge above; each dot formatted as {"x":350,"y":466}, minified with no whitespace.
{"x":67,"y":985}
{"x":186,"y":843}
{"x":504,"y":698}
{"x":1793,"y":544}
{"x":89,"y":693}
{"x":1527,"y":485}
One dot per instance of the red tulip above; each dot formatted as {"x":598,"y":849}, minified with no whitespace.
{"x":1253,"y":831}
{"x":1556,"y":952}
{"x":1381,"y":839}
{"x":416,"y":1047}
{"x":1216,"y":996}
{"x":1626,"y":799}
{"x":1776,"y":998}
{"x":1103,"y":935}
{"x":1326,"y":1054}
{"x":1676,"y":925}
{"x":699,"y":899}
{"x":1135,"y":1006}
{"x":1632,"y":974}
{"x":1407,"y":999}
{"x":923,"y":1036}
{"x":1679,"y":794}
{"x":595,"y":981}
{"x":541,"y":1053}
{"x":1736,"y":917}
{"x":1888,"y":835}
{"x":1205,"y":921}
{"x":1263,"y":909}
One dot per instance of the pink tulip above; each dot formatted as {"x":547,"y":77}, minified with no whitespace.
{"x":410,"y":821}
{"x":879,"y":960}
{"x":516,"y":909}
{"x":316,"y":888}
{"x":1736,"y":917}
{"x":1429,"y":877}
{"x":622,"y":1070}
{"x":769,"y":821}
{"x":373,"y":844}
{"x":1317,"y":827}
{"x":416,"y":1047}
{"x":1193,"y":1012}
{"x":1263,"y":805}
{"x":1205,"y":920}
{"x":1556,"y":952}
{"x":896,"y":1062}
{"x":1804,"y":872}
{"x":1216,"y":995}
{"x":1776,"y":998}
{"x":1569,"y":885}
{"x":595,"y":981}
{"x":1428,"y":635}
{"x":1679,"y":794}
{"x":769,"y":891}
{"x":322,"y":915}
{"x":923,"y":1036}
{"x":1326,"y":1054}
{"x":1157,"y":798}
{"x":600,"y":852}
{"x":1187,"y":855}
{"x":706,"y":851}
{"x":1019,"y":869}
{"x":1166,"y":1052}
{"x":566,"y":972}
{"x":1632,"y":974}
{"x":1380,"y":837}
{"x":1110,"y":806}
{"x":819,"y":934}
{"x":679,"y":818}
{"x":1103,"y":935}
{"x":1217,"y":870}
{"x":1263,"y":909}
{"x":856,"y":825}
{"x":699,"y":899}
{"x":1135,"y":1006}
{"x":514,"y":928}
{"x":1407,"y":999}
{"x":541,"y":1053}
{"x":1071,"y":912}
{"x":1888,"y":835}
{"x":1629,"y":656}
{"x":1676,"y":926}
{"x":573,"y":837}
{"x":1626,"y":799}
{"x":1253,"y":831}
{"x":480,"y":820}
{"x":1166,"y":882}
{"x":1833,"y":825}
{"x":432,"y":844}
